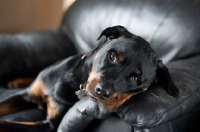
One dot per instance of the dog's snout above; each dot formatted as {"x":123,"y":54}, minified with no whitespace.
{"x":103,"y":92}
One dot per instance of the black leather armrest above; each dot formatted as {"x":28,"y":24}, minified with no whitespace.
{"x":26,"y":54}
{"x":81,"y":114}
{"x":155,"y":107}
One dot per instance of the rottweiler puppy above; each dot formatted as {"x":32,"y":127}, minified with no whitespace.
{"x":121,"y":66}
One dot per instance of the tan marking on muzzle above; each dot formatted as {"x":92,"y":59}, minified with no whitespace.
{"x":109,"y":103}
{"x":115,"y":101}
{"x":96,"y":56}
{"x":93,"y":75}
{"x":92,"y":84}
{"x":123,"y":97}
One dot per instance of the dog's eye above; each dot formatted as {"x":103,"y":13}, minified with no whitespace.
{"x":113,"y":56}
{"x":135,"y":79}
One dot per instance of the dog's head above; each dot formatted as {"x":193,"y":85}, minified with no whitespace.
{"x":123,"y":65}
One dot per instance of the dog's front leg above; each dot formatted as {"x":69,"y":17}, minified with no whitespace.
{"x":81,"y":114}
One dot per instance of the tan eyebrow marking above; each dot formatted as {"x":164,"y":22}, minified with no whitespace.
{"x":137,"y":72}
{"x":121,"y":58}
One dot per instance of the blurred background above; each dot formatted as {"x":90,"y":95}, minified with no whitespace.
{"x":26,"y":15}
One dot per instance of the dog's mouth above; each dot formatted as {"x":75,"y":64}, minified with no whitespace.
{"x":92,"y":97}
{"x":114,"y":101}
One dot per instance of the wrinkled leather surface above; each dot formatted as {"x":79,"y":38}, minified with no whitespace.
{"x":155,"y":106}
{"x":171,"y":26}
{"x":110,"y":124}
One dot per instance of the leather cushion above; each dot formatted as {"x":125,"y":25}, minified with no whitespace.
{"x":171,"y":26}
{"x":156,"y":106}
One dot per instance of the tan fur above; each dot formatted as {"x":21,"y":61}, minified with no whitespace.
{"x":91,"y":85}
{"x":96,"y":56}
{"x":137,"y":72}
{"x":115,"y":100}
{"x":20,"y":82}
{"x":39,"y":94}
{"x":121,"y":58}
{"x":7,"y":109}
{"x":52,"y":108}
{"x":93,"y":75}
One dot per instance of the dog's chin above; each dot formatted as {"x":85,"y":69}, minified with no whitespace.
{"x":92,"y":97}
{"x":103,"y":103}
{"x":113,"y":102}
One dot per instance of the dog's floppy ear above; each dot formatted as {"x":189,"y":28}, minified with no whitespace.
{"x":113,"y":32}
{"x":164,"y":78}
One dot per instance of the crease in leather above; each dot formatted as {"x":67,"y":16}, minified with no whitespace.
{"x":87,"y":118}
{"x":171,"y":108}
{"x":186,"y":71}
{"x":140,"y":124}
{"x":162,"y":21}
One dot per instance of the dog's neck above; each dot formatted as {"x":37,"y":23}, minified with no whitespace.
{"x":86,"y":60}
{"x":84,"y":68}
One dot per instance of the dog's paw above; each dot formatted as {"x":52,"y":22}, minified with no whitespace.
{"x":20,"y":83}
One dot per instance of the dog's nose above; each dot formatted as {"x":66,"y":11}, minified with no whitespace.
{"x":103,"y":92}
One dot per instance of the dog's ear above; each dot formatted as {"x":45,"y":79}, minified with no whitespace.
{"x":164,"y":79}
{"x":113,"y":32}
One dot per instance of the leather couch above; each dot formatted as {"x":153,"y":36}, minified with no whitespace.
{"x":170,"y":26}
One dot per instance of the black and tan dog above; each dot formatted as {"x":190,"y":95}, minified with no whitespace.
{"x":121,"y":66}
